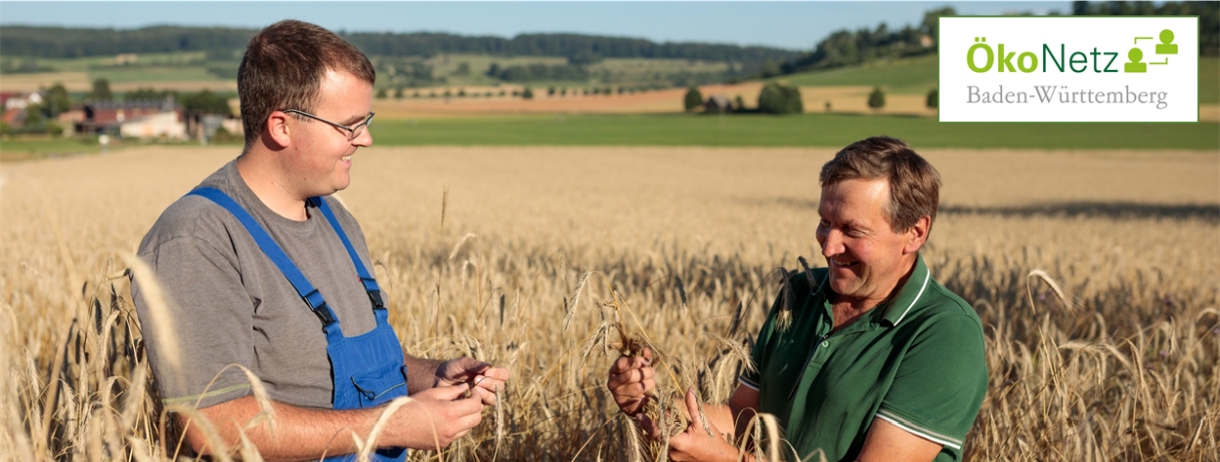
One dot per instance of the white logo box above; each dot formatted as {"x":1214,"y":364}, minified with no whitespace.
{"x":1025,"y":84}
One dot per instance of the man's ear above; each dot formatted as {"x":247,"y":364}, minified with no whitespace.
{"x":277,"y":130}
{"x":918,"y":234}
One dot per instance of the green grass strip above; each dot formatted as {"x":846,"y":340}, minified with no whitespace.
{"x":821,"y":130}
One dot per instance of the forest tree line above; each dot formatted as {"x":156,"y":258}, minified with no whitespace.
{"x":63,"y":42}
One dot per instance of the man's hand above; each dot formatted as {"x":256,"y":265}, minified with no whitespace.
{"x":436,"y":417}
{"x":630,"y":378}
{"x":695,"y":444}
{"x":484,"y":380}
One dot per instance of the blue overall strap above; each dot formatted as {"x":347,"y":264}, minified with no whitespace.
{"x":312,"y":297}
{"x":370,"y":284}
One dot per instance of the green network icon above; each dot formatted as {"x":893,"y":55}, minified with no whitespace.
{"x":1135,"y":56}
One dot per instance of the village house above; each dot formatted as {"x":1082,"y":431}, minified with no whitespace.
{"x":13,"y":105}
{"x":14,"y":100}
{"x":718,"y":103}
{"x":160,"y":125}
{"x":142,"y":119}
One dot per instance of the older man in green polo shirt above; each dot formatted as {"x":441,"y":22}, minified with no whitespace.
{"x":869,"y":359}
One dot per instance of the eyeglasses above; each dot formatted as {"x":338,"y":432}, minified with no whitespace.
{"x":353,"y":132}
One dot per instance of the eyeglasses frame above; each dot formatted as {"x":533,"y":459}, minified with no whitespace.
{"x":353,"y":131}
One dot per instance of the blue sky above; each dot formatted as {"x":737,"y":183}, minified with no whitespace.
{"x":792,"y":25}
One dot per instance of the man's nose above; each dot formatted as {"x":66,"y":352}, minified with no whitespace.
{"x":365,"y":139}
{"x":832,"y":243}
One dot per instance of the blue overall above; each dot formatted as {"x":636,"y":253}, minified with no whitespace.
{"x":367,"y":370}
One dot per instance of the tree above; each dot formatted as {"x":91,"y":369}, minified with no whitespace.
{"x":1080,"y":8}
{"x":770,"y":69}
{"x":463,"y":68}
{"x":58,"y":100}
{"x":550,"y":91}
{"x":398,"y":92}
{"x":776,"y":98}
{"x":54,"y":129}
{"x":101,"y":90}
{"x":528,"y":93}
{"x":876,"y":99}
{"x":208,"y":103}
{"x":933,"y":99}
{"x":740,"y":104}
{"x":381,"y":93}
{"x":33,"y":115}
{"x":692,"y":100}
{"x":145,"y":94}
{"x":931,"y":22}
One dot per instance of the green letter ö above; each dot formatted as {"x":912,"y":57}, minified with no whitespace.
{"x":980,"y":45}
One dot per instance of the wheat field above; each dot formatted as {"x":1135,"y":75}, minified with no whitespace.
{"x":1095,"y":273}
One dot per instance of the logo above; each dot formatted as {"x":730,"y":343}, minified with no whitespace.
{"x":1069,"y":69}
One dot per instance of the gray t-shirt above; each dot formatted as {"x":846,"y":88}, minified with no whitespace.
{"x":232,"y":305}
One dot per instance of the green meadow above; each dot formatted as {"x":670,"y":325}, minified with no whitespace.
{"x":902,"y":76}
{"x":808,"y":130}
{"x":826,"y":130}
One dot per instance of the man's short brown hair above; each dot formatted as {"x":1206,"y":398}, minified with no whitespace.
{"x":914,"y":183}
{"x":283,"y":68}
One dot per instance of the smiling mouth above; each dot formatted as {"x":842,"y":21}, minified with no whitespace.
{"x":844,"y":264}
{"x":347,"y":158}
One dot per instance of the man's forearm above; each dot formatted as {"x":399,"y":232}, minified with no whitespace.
{"x":300,"y":433}
{"x":421,"y":373}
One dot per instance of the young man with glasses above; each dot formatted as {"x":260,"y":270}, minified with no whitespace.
{"x":265,"y":270}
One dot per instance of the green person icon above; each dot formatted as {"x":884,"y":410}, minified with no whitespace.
{"x":1135,"y":55}
{"x":1167,"y":47}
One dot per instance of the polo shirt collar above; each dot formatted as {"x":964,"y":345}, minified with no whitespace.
{"x":915,"y":288}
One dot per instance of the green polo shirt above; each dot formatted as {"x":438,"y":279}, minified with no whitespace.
{"x":916,"y":361}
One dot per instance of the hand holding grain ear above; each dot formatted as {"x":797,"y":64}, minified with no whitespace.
{"x":484,"y":379}
{"x":436,"y":417}
{"x":631,"y":378}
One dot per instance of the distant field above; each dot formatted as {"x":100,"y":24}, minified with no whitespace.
{"x":828,"y":130}
{"x":36,"y":149}
{"x":918,"y":75}
{"x":155,"y":75}
{"x":809,"y":130}
{"x":903,"y":76}
{"x":84,"y":64}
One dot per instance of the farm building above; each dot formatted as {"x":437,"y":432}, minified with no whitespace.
{"x":718,"y":103}
{"x":14,"y":117}
{"x":160,"y":125}
{"x":110,"y":116}
{"x":10,"y":100}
